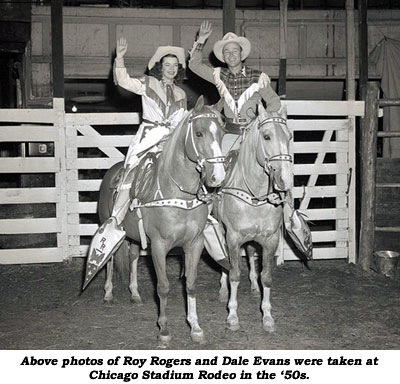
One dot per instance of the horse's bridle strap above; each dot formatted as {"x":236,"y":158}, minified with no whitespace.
{"x":281,"y":157}
{"x":204,"y":115}
{"x":274,"y":120}
{"x":213,"y":160}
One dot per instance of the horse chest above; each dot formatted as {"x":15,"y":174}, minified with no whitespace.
{"x":175,"y":223}
{"x":246,"y":218}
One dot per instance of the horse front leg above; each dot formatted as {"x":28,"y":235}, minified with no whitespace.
{"x":269,"y":250}
{"x":192,"y":257}
{"x":253,"y":275}
{"x":234,"y":280}
{"x":159,"y":255}
{"x":134,"y":253}
{"x":223,"y":290}
{"x":108,"y":286}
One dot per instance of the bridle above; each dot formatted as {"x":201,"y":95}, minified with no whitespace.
{"x":268,"y":168}
{"x":194,"y":155}
{"x":280,"y":157}
{"x":190,"y":145}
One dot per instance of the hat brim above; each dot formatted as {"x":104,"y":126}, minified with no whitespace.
{"x":179,"y":52}
{"x":242,"y":41}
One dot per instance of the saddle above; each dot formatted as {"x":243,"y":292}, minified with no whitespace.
{"x":142,"y":178}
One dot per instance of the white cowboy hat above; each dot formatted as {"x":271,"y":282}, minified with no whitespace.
{"x":231,"y":37}
{"x":168,"y":50}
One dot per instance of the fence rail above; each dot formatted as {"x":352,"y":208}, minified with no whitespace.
{"x":82,"y":154}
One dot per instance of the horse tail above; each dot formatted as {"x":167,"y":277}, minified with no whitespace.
{"x":106,"y":201}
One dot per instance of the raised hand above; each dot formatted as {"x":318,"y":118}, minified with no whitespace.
{"x":122,"y":47}
{"x":205,"y":31}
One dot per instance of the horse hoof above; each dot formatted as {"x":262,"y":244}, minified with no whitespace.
{"x":197,"y":337}
{"x":233,"y":326}
{"x":269,"y":327}
{"x":164,"y":338}
{"x":108,"y":301}
{"x":136,"y":300}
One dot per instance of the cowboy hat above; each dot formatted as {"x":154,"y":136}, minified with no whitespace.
{"x":231,"y":37}
{"x":168,"y":50}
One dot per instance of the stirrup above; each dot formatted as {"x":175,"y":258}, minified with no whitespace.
{"x":107,"y":239}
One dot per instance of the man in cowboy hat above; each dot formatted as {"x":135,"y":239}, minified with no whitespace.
{"x":241,"y":88}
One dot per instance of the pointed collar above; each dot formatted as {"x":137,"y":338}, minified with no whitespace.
{"x":242,"y":72}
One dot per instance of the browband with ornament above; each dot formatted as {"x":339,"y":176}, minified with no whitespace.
{"x":274,"y":120}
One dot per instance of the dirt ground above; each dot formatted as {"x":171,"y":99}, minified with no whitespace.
{"x":333,"y":305}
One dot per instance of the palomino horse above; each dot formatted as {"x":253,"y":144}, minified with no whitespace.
{"x":249,"y":209}
{"x":172,"y":215}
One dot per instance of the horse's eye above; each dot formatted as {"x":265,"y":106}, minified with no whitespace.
{"x":266,"y":137}
{"x":199,"y":134}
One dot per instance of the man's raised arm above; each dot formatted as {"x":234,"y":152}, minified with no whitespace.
{"x":196,"y":54}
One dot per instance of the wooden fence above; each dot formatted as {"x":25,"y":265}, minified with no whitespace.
{"x":86,"y":145}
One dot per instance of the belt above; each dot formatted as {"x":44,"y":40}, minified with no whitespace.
{"x":237,"y":120}
{"x":236,"y":125}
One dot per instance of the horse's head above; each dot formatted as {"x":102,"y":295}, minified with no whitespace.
{"x":273,"y":147}
{"x":203,"y":143}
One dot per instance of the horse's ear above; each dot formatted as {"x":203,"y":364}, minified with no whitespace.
{"x":199,"y":104}
{"x":261,"y":109}
{"x":283,"y":111}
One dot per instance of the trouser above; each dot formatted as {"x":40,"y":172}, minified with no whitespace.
{"x":214,"y":242}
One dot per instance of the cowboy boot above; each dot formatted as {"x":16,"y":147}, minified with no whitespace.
{"x":215,"y":244}
{"x":105,"y":243}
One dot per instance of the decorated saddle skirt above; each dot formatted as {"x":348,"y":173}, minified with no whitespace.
{"x":142,"y":178}
{"x":298,"y":230}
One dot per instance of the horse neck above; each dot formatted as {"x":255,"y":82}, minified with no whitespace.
{"x":247,"y":171}
{"x":175,"y":168}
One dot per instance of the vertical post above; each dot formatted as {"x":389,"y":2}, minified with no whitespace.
{"x":363,"y":47}
{"x":350,"y":50}
{"x":61,"y":179}
{"x":283,"y":5}
{"x":369,"y":128}
{"x":57,"y":51}
{"x":229,"y":16}
{"x":350,"y":136}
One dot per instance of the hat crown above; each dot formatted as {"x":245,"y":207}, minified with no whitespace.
{"x":230,"y":36}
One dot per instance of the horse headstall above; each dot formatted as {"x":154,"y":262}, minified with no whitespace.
{"x":192,"y":151}
{"x":278,"y":120}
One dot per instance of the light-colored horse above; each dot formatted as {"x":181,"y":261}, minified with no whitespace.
{"x":251,"y":209}
{"x":174,"y":216}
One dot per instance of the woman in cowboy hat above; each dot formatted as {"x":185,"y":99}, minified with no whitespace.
{"x":164,"y":106}
{"x":240,"y":87}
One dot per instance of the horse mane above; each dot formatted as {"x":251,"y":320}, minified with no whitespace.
{"x":246,"y":152}
{"x":172,"y":141}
